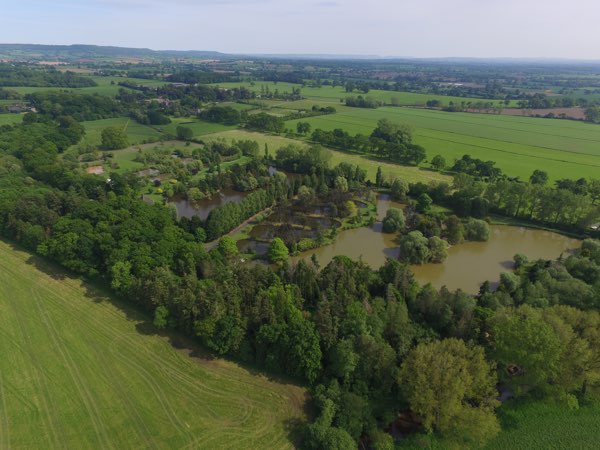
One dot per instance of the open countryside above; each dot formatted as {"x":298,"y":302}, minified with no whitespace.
{"x":82,"y":370}
{"x":228,"y":250}
{"x":518,"y":145}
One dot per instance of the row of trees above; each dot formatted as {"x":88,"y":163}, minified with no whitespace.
{"x":388,"y":140}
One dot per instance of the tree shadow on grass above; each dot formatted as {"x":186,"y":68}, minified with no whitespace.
{"x":98,"y":292}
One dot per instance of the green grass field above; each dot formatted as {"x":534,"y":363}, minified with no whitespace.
{"x":137,"y":133}
{"x":104,"y":86}
{"x":411,"y":174}
{"x":273,"y":142}
{"x":10,"y":119}
{"x":79,"y":370}
{"x":389,"y":170}
{"x":519,"y":145}
{"x":199,"y":127}
{"x":543,"y":426}
{"x":330,"y":94}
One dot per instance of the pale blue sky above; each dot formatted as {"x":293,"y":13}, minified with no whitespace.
{"x":420,"y":28}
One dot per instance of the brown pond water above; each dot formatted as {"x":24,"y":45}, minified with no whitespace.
{"x":185,"y":208}
{"x":467,"y":266}
{"x":471,"y":263}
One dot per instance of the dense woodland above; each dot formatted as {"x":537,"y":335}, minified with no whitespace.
{"x":371,"y":344}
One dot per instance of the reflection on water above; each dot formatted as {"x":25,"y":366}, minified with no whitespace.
{"x":185,"y":208}
{"x":468,"y":265}
{"x":368,"y":243}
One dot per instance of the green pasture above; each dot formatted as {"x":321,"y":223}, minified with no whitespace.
{"x":330,"y":94}
{"x":199,"y":127}
{"x":10,"y":119}
{"x":411,"y":174}
{"x":137,"y":133}
{"x":519,"y":145}
{"x":539,"y":425}
{"x":105,"y":87}
{"x":273,"y":142}
{"x":389,"y":170}
{"x":81,"y":370}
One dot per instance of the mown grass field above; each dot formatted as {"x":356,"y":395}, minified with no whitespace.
{"x":330,"y":94}
{"x":136,"y":132}
{"x":519,"y":145}
{"x":79,"y":370}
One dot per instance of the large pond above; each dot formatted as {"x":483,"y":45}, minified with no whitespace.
{"x":468,"y":264}
{"x":202,"y":209}
{"x":471,"y":263}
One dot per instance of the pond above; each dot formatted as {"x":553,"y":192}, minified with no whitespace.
{"x":468,"y":264}
{"x":202,"y":209}
{"x":471,"y":263}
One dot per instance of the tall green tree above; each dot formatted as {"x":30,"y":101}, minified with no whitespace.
{"x":451,"y":385}
{"x":114,"y":138}
{"x":278,"y":252}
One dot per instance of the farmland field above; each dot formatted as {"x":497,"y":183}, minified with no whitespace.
{"x":519,"y":145}
{"x":79,"y":370}
{"x":330,"y":94}
{"x":137,"y":133}
{"x":540,"y":425}
{"x":199,"y":127}
{"x":273,"y":142}
{"x":411,"y":174}
{"x":10,"y":119}
{"x":104,"y":86}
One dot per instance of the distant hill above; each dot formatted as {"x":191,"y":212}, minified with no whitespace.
{"x":79,"y":51}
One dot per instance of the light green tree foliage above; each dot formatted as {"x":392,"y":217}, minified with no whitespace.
{"x":320,"y":435}
{"x":438,"y":249}
{"x":278,"y":252}
{"x":414,"y":248}
{"x":114,"y":138}
{"x":477,"y":230}
{"x":554,"y":350}
{"x":452,"y":387}
{"x":424,"y":203}
{"x":399,"y":189}
{"x":527,"y":349}
{"x":161,"y":315}
{"x":121,"y":277}
{"x":351,"y":208}
{"x":393,"y":221}
{"x":341,"y":184}
{"x":195,"y":195}
{"x":227,"y":246}
{"x":381,"y":440}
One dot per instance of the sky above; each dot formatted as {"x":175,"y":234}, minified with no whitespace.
{"x":401,"y":28}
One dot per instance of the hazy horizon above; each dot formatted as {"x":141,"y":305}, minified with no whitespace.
{"x":526,"y":29}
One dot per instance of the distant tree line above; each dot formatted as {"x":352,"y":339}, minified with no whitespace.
{"x":11,"y":75}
